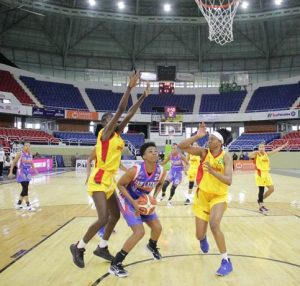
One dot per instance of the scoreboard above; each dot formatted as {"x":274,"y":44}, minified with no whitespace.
{"x":166,"y":88}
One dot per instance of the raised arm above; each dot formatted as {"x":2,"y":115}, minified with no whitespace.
{"x":185,"y":145}
{"x":278,"y":149}
{"x":111,"y":126}
{"x":253,"y":154}
{"x":227,"y":177}
{"x":133,"y":109}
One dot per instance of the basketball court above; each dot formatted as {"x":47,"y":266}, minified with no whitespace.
{"x":35,"y":245}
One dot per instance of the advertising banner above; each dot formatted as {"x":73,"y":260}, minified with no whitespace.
{"x":43,"y":164}
{"x":81,"y":115}
{"x":48,"y":112}
{"x":15,"y":109}
{"x":244,"y":165}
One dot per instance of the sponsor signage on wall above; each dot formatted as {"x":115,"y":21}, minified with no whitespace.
{"x":48,"y":112}
{"x":81,"y":115}
{"x":282,"y":114}
{"x":15,"y":109}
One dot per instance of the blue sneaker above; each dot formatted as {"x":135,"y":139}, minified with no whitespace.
{"x":225,"y":268}
{"x":204,"y":245}
{"x":101,"y":231}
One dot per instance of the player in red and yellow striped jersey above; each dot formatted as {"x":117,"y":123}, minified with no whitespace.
{"x":262,"y":174}
{"x":211,"y":199}
{"x":101,"y":182}
{"x":194,"y":162}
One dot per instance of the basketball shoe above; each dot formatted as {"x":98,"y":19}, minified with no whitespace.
{"x":154,"y":250}
{"x":204,"y":245}
{"x":225,"y":268}
{"x":104,"y":253}
{"x":77,"y":254}
{"x":118,"y":270}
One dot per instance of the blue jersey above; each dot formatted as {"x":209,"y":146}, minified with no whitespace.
{"x":23,"y":173}
{"x":176,"y":162}
{"x":142,"y":182}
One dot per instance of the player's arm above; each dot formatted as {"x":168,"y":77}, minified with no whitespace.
{"x":123,"y":182}
{"x":160,"y":184}
{"x":111,"y":126}
{"x":133,"y":109}
{"x":89,"y":161}
{"x":278,"y":149}
{"x":167,"y":159}
{"x":13,"y":164}
{"x":225,"y":178}
{"x":32,"y":166}
{"x":253,"y":154}
{"x":185,"y":145}
{"x":122,"y":167}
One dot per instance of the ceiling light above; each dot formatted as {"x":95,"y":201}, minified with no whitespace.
{"x":278,"y":2}
{"x":245,"y":4}
{"x":167,"y":7}
{"x":92,"y":2}
{"x":121,"y":5}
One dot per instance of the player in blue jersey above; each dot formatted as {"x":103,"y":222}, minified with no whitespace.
{"x":178,"y":163}
{"x":141,"y":179}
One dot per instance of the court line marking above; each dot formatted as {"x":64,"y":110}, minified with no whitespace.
{"x":36,"y":245}
{"x":98,"y":281}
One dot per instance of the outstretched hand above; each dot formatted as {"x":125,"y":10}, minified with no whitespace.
{"x":147,"y":89}
{"x":134,"y":79}
{"x":201,"y":130}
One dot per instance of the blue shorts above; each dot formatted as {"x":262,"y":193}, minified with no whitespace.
{"x":175,"y":176}
{"x":129,"y":213}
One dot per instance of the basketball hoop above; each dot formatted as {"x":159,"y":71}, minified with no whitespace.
{"x":219,"y":15}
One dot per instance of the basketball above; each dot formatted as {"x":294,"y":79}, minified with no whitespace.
{"x":147,"y":204}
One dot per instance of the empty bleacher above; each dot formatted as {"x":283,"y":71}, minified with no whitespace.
{"x":293,"y":139}
{"x":28,"y":135}
{"x":183,"y":102}
{"x":274,"y":97}
{"x":223,"y":102}
{"x":105,"y":100}
{"x":9,"y":84}
{"x":54,"y":94}
{"x":250,"y":141}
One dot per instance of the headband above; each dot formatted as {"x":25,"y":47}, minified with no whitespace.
{"x":219,"y":136}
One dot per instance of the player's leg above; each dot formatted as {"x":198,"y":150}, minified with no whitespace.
{"x":164,"y":188}
{"x":176,"y":180}
{"x":138,"y":232}
{"x":114,"y":215}
{"x":216,"y":215}
{"x":78,"y":249}
{"x":153,"y":222}
{"x":21,"y":197}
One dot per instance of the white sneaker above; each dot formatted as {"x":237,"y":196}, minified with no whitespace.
{"x":169,"y":203}
{"x":30,"y":208}
{"x":19,"y":207}
{"x":160,"y":199}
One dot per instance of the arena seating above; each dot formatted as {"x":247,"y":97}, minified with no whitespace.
{"x":9,"y":84}
{"x":5,"y":143}
{"x":55,"y":94}
{"x":293,"y":138}
{"x":75,"y":138}
{"x":105,"y":99}
{"x":224,"y":102}
{"x":250,"y":141}
{"x":183,"y":102}
{"x":274,"y":97}
{"x":88,"y":138}
{"x":29,"y":135}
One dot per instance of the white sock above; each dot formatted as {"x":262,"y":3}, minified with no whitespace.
{"x":103,"y":243}
{"x":224,"y":256}
{"x":81,"y":244}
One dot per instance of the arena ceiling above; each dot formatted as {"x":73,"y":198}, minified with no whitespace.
{"x":67,"y":33}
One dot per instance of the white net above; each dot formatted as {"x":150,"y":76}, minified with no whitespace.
{"x":219,"y":15}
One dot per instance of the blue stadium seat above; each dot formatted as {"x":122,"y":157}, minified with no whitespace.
{"x":185,"y":102}
{"x":250,"y":141}
{"x":224,"y":102}
{"x":274,"y":97}
{"x":55,"y":94}
{"x":105,"y":99}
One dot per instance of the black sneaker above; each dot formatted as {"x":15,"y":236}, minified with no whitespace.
{"x":187,"y":202}
{"x":103,"y":253}
{"x":155,"y":252}
{"x":117,"y":270}
{"x":77,"y":254}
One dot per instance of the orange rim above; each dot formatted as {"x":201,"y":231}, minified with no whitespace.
{"x":225,"y":6}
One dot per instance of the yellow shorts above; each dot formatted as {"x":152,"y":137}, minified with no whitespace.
{"x":264,"y":179}
{"x":204,"y":202}
{"x":192,"y":173}
{"x":101,"y":181}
